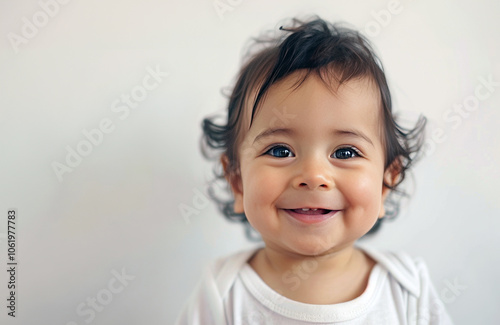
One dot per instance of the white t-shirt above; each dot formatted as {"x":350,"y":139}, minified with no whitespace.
{"x":399,"y":292}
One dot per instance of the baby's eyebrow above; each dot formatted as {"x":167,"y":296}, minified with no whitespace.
{"x":354,"y":133}
{"x":286,"y":131}
{"x":272,"y":131}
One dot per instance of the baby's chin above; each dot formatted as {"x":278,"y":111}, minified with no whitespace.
{"x":313,"y":247}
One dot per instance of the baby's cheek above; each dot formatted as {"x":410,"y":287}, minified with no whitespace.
{"x":260,"y":188}
{"x":364,"y":191}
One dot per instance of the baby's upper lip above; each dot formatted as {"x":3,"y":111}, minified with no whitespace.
{"x":325,"y":202}
{"x":310,"y":208}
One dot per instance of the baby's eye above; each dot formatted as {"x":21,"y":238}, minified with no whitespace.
{"x":345,"y":153}
{"x":280,"y":152}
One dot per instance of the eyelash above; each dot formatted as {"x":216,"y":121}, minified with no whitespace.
{"x":355,"y":151}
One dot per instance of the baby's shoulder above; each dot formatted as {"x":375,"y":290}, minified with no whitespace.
{"x":411,"y":275}
{"x":223,"y":271}
{"x":410,"y":272}
{"x":230,"y":262}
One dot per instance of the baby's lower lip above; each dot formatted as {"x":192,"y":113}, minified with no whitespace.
{"x":311,"y":217}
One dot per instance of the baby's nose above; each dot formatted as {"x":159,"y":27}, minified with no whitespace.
{"x":314,"y":174}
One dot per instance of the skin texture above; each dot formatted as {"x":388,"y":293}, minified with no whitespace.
{"x":313,"y":147}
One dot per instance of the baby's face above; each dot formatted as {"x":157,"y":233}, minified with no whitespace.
{"x":312,"y":166}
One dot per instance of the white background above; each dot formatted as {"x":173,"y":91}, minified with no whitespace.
{"x":118,"y":209}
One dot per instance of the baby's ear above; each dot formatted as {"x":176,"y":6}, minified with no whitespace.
{"x":391,"y":178}
{"x":234,"y":179}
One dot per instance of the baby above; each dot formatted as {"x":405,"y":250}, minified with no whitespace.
{"x":311,"y":151}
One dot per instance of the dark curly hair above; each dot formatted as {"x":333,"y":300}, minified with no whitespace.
{"x":325,"y":49}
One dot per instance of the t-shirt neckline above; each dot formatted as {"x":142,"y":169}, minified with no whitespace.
{"x":309,"y":312}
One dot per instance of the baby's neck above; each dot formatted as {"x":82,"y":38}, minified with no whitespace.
{"x":332,"y":278}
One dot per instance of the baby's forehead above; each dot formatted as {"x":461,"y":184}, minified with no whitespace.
{"x":291,"y":100}
{"x":314,"y":85}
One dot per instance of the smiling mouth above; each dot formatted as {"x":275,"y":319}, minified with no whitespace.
{"x":310,"y":211}
{"x":309,"y":216}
